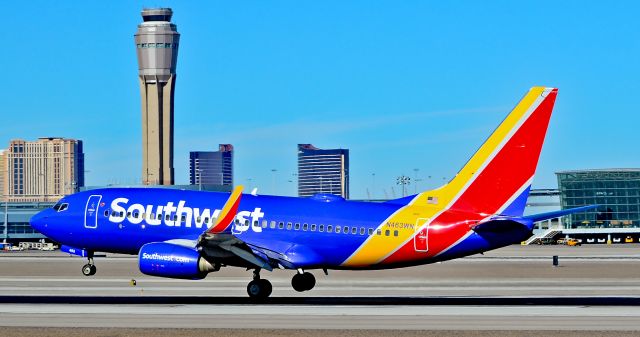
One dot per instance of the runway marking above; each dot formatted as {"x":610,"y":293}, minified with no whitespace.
{"x":292,"y":310}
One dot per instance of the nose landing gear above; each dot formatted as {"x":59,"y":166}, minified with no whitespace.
{"x":89,"y":269}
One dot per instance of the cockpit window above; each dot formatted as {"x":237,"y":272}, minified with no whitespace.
{"x":61,"y":206}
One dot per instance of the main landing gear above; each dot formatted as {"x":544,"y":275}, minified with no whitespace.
{"x":303,"y":281}
{"x":259,"y":289}
{"x":89,"y":269}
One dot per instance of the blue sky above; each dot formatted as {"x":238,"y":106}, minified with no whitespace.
{"x":403,"y":85}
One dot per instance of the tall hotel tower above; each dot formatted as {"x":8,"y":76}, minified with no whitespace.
{"x":322,"y":171}
{"x":157,"y":41}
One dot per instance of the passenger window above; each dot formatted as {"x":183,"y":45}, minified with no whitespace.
{"x":272,"y":225}
{"x":198,"y":219}
{"x":152,"y":216}
{"x":128,"y":214}
{"x":321,"y":228}
{"x":175,"y":217}
{"x":281,"y":225}
{"x":265,"y":223}
{"x":337,"y":229}
{"x":370,"y":231}
{"x":329,"y":229}
{"x":184,"y":218}
{"x":346,"y":229}
{"x":206,"y":220}
{"x":106,"y":213}
{"x":379,"y":232}
{"x":387,"y":232}
{"x":288,"y":225}
{"x":114,"y":213}
{"x":361,"y":230}
{"x":247,"y":223}
{"x":305,"y":227}
{"x":354,"y":230}
{"x":313,"y":227}
{"x":166,"y":217}
{"x":297,"y":226}
{"x":395,"y":233}
{"x":255,"y":223}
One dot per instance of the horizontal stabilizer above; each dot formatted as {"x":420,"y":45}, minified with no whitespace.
{"x":557,"y":214}
{"x":502,"y":225}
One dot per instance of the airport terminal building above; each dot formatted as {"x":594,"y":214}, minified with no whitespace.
{"x":616,"y":191}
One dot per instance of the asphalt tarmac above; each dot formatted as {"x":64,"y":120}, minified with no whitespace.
{"x":511,"y":291}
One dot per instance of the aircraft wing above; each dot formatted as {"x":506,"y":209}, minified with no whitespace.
{"x":219,"y":241}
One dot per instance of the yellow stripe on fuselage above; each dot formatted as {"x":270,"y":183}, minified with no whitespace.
{"x":378,"y":247}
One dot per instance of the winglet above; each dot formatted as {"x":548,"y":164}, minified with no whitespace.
{"x":228,"y":212}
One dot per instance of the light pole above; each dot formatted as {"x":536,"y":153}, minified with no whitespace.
{"x":403,"y":181}
{"x":373,"y":183}
{"x":415,"y":180}
{"x":273,"y":179}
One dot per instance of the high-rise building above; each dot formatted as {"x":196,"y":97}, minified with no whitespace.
{"x":157,"y":42}
{"x":44,"y":170}
{"x":212,"y":167}
{"x":322,"y":171}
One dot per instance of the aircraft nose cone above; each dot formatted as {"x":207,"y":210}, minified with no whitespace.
{"x":39,"y":221}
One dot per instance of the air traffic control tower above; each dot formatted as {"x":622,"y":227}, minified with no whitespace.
{"x":157,"y":41}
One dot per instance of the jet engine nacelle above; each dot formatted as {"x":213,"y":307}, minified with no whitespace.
{"x":174,"y":261}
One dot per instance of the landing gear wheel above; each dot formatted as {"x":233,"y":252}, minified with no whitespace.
{"x":88,"y":269}
{"x":303,"y":282}
{"x":259,"y":289}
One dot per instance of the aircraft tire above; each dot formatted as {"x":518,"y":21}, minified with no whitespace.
{"x":87,"y":269}
{"x":259,"y":289}
{"x":303,"y":282}
{"x":93,"y":269}
{"x":310,"y":280}
{"x":268,"y":288}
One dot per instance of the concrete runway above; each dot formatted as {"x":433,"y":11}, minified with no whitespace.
{"x":596,"y":288}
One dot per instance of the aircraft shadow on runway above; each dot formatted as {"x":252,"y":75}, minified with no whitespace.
{"x":329,"y":301}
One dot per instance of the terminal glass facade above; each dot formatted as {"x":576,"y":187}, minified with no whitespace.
{"x":616,"y":191}
{"x":17,"y":218}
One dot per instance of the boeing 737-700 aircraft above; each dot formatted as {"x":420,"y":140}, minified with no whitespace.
{"x":188,"y":234}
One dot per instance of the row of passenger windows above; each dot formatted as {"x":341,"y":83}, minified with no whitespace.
{"x":266,"y":224}
{"x":157,"y":45}
{"x":320,"y":228}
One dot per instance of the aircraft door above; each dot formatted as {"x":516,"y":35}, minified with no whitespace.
{"x":91,"y":211}
{"x":421,"y":237}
